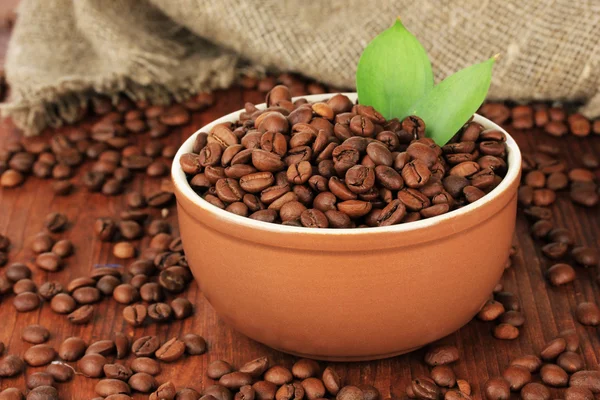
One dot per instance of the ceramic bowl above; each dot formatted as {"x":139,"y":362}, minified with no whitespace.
{"x":348,"y":294}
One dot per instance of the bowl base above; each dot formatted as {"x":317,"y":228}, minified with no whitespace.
{"x":349,"y":358}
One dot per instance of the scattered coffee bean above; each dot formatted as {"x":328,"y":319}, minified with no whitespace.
{"x":26,"y":302}
{"x":171,"y":351}
{"x":35,"y":334}
{"x":145,"y":346}
{"x":506,"y":331}
{"x":194,"y":344}
{"x":588,"y":313}
{"x":585,"y":256}
{"x":182,"y":308}
{"x":587,"y":379}
{"x":517,"y":377}
{"x":11,"y":365}
{"x":82,"y":315}
{"x":43,"y":393}
{"x":38,"y":355}
{"x":60,"y":371}
{"x":142,"y":382}
{"x":146,"y":365}
{"x":278,"y":375}
{"x":553,"y":349}
{"x":554,"y":375}
{"x":490,"y":311}
{"x":535,"y":391}
{"x":39,"y":379}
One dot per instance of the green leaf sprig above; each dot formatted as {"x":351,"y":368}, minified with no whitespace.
{"x":394,"y":76}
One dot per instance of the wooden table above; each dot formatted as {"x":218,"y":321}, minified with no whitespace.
{"x":547,"y":309}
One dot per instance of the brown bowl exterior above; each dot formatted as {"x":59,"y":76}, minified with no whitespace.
{"x":349,"y":294}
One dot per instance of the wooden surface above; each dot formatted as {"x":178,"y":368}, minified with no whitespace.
{"x":547,"y":309}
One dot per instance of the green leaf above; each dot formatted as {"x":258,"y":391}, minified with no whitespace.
{"x":393,"y":72}
{"x":452,"y":102}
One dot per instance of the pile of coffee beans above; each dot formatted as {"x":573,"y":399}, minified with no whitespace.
{"x":335,"y":164}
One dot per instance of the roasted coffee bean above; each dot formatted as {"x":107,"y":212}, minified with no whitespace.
{"x":584,"y":196}
{"x":23,"y":286}
{"x":497,"y":389}
{"x":82,"y":315}
{"x":541,"y":228}
{"x":535,"y":391}
{"x":17,"y":271}
{"x":313,"y":388}
{"x":11,"y":365}
{"x":557,"y":181}
{"x":561,"y":235}
{"x":422,"y":387}
{"x":117,"y":371}
{"x":555,"y":251}
{"x":441,"y":355}
{"x":107,"y":284}
{"x":514,"y":318}
{"x":107,"y":387}
{"x":159,"y":312}
{"x":305,"y":368}
{"x":63,"y":303}
{"x":126,"y":294}
{"x":49,"y":261}
{"x":38,"y":355}
{"x":122,"y":345}
{"x":571,"y":338}
{"x":86,"y":295}
{"x":506,"y":331}
{"x":182,"y":308}
{"x":27,"y":301}
{"x":278,"y":375}
{"x":35,"y":334}
{"x":60,"y":371}
{"x":50,"y":289}
{"x":194,"y":344}
{"x":517,"y":377}
{"x":189,"y":394}
{"x":585,"y":256}
{"x":570,"y":361}
{"x":146,"y":365}
{"x":55,"y":222}
{"x":354,"y":393}
{"x":588,"y":379}
{"x":217,"y":369}
{"x":560,"y":274}
{"x":553,"y":349}
{"x":72,"y":349}
{"x":578,"y":393}
{"x":142,"y":382}
{"x":145,"y":346}
{"x":554,"y":375}
{"x":588,"y":314}
{"x":43,"y":393}
{"x":490,"y":311}
{"x":171,"y":351}
{"x":255,"y":367}
{"x":443,"y":375}
{"x":104,"y":347}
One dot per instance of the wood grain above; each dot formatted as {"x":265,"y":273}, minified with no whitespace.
{"x":547,"y":309}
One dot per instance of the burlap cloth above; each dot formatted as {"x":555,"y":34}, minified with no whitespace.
{"x":62,"y":50}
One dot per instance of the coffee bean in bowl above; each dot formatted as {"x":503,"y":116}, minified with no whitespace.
{"x":368,"y":177}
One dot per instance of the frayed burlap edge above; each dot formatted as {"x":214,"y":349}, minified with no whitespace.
{"x":63,"y":103}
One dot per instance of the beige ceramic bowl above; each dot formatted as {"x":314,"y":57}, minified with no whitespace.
{"x":348,"y":294}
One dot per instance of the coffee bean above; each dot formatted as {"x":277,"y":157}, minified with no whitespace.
{"x":160,"y":199}
{"x":11,"y":365}
{"x":182,"y":308}
{"x":126,"y":293}
{"x":35,"y":334}
{"x":246,"y":393}
{"x":17,"y":271}
{"x":146,"y":365}
{"x":130,"y":230}
{"x":555,"y":251}
{"x":11,"y":178}
{"x":588,"y":314}
{"x":171,"y":351}
{"x":571,"y":338}
{"x":166,"y":391}
{"x":554,"y":375}
{"x":570,"y":362}
{"x":117,"y":371}
{"x":104,"y":347}
{"x":506,"y":331}
{"x":443,"y":375}
{"x":278,"y":375}
{"x":105,"y":229}
{"x":82,"y":315}
{"x":441,"y":355}
{"x":39,"y":379}
{"x":194,"y":344}
{"x":92,"y":365}
{"x":517,"y":377}
{"x":38,"y":355}
{"x":63,"y":303}
{"x":553,"y":349}
{"x":23,"y":286}
{"x":11,"y":394}
{"x":86,"y":295}
{"x":26,"y":302}
{"x":514,"y":318}
{"x":560,"y":274}
{"x":142,"y":382}
{"x":497,"y":389}
{"x":60,"y":371}
{"x":124,"y":250}
{"x":72,"y":349}
{"x":160,"y":312}
{"x":255,"y":367}
{"x":313,"y":388}
{"x":107,"y":387}
{"x":578,"y":393}
{"x":305,"y":368}
{"x":422,"y":387}
{"x":107,"y":284}
{"x":55,"y":222}
{"x":354,"y":393}
{"x":189,"y":394}
{"x":145,"y":346}
{"x":171,"y":280}
{"x":48,"y":261}
{"x":490,"y":311}
{"x":43,"y":393}
{"x":585,"y":256}
{"x":535,"y":391}
{"x":135,"y":314}
{"x":587,"y":379}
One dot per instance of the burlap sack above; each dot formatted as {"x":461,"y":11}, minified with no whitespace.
{"x":62,"y":50}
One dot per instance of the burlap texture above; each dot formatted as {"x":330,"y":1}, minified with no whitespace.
{"x":62,"y":50}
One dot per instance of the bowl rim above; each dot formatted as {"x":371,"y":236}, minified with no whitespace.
{"x":180,"y":181}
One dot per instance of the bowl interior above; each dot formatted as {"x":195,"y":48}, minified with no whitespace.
{"x":180,"y":181}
